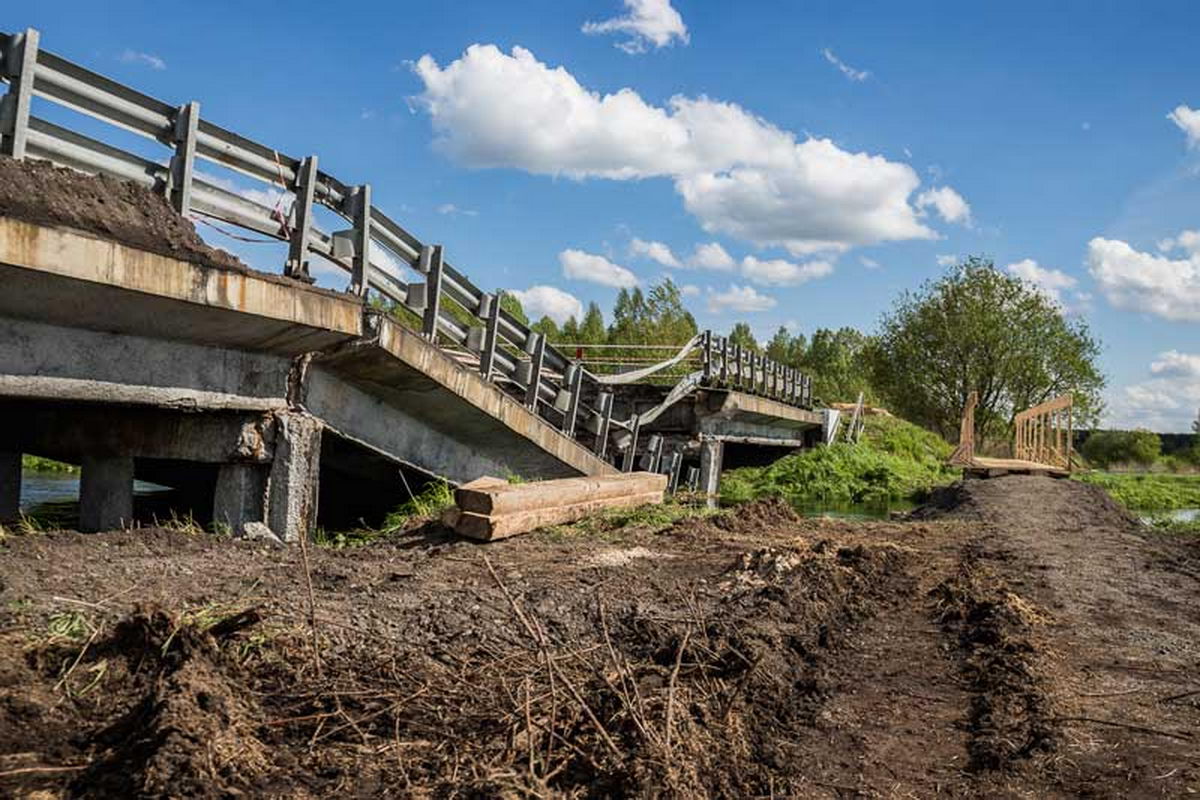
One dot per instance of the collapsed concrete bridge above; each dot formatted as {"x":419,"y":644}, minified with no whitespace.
{"x":129,"y":347}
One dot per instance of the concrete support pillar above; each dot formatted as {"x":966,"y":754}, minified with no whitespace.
{"x":239,"y":496}
{"x":295,"y":473}
{"x":712,"y":453}
{"x":106,"y":493}
{"x":10,"y":486}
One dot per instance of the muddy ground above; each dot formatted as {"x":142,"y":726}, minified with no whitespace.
{"x":1022,"y":637}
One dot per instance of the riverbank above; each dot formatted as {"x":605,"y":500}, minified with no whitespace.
{"x":1148,"y":492}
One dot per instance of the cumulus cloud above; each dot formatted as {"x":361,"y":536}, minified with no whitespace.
{"x":779,"y":272}
{"x":648,"y":23}
{"x":1167,"y":401}
{"x":1188,"y":120}
{"x":947,"y":260}
{"x":145,"y":59}
{"x":737,"y":173}
{"x":710,"y":255}
{"x":856,"y":75}
{"x":1050,"y":282}
{"x":869,"y":263}
{"x":539,"y":301}
{"x":582,"y":266}
{"x":1138,"y":281}
{"x":739,"y":298}
{"x":655,"y":251}
{"x":948,"y":203}
{"x":689,"y":290}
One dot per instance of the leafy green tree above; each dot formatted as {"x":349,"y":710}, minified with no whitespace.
{"x":979,"y":329}
{"x":592,"y":330}
{"x":839,"y":363}
{"x":510,"y":303}
{"x":786,"y":348}
{"x":742,"y":335}
{"x":1105,"y":448}
{"x":548,"y":328}
{"x":667,"y":320}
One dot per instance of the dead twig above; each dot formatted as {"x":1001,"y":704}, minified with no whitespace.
{"x":671,"y":686}
{"x":1185,"y":737}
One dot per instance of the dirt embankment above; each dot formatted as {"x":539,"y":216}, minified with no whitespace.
{"x":755,"y":654}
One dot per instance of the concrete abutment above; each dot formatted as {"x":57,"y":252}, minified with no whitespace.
{"x":10,"y":486}
{"x":105,"y":493}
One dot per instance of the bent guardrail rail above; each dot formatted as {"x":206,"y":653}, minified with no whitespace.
{"x":452,"y":311}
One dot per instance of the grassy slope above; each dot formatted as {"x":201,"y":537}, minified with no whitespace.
{"x":1148,"y":491}
{"x":894,"y":461}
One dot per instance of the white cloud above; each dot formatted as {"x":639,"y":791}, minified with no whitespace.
{"x":649,"y":22}
{"x":856,"y":75}
{"x":1139,"y":281}
{"x":689,"y":290}
{"x":655,"y":251}
{"x":451,"y":209}
{"x":1166,"y":402}
{"x":1050,"y":282}
{"x":869,"y":263}
{"x":539,"y":301}
{"x":778,"y":272}
{"x":582,"y":266}
{"x":736,"y":172}
{"x":1188,"y":120}
{"x":711,"y":255}
{"x":145,"y":59}
{"x":739,"y":298}
{"x":947,"y":260}
{"x":1176,"y":364}
{"x":948,"y":203}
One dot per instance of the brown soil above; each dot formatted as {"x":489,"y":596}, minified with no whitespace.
{"x":1025,"y":640}
{"x":39,"y":192}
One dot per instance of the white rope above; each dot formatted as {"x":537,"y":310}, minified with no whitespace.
{"x":637,"y":374}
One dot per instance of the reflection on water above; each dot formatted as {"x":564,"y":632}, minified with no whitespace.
{"x":1178,"y":515}
{"x":855,"y":510}
{"x":53,"y":497}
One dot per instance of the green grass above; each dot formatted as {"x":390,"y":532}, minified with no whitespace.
{"x":614,"y":524}
{"x":426,"y":505}
{"x":39,"y":464}
{"x":895,"y":460}
{"x":1142,"y":491}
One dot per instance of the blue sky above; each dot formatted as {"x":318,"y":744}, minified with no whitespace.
{"x":833,"y":152}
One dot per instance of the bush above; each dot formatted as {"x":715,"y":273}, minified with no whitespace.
{"x":1105,"y":448}
{"x":895,"y":460}
{"x":1144,"y":492}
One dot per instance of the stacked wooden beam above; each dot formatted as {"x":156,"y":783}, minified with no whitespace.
{"x":490,"y":508}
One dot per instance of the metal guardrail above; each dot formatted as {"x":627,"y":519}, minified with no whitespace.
{"x":517,"y":358}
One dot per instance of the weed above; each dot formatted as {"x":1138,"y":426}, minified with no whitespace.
{"x":70,"y":626}
{"x":180,"y":524}
{"x":431,"y":501}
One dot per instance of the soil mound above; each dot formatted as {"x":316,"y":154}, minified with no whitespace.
{"x":1022,"y":499}
{"x":40,"y":192}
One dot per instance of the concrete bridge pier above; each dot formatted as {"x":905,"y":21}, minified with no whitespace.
{"x":712,"y":453}
{"x":10,"y":486}
{"x":105,"y":493}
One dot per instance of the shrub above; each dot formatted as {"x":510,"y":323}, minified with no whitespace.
{"x":1105,"y":448}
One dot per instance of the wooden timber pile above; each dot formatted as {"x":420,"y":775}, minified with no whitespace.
{"x":490,"y":508}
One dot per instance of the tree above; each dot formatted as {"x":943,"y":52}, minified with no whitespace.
{"x":667,"y":321}
{"x":592,"y":330}
{"x":742,"y":335}
{"x":1105,"y":448}
{"x":979,"y":329}
{"x":547,"y":327}
{"x":786,"y":348}
{"x":510,"y":303}
{"x":839,"y":364}
{"x":1196,"y":424}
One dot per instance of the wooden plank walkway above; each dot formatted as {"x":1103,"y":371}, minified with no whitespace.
{"x":981,"y":467}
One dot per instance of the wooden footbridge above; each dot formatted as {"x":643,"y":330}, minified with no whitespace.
{"x":1042,"y":436}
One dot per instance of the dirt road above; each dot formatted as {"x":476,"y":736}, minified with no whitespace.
{"x":1021,"y":638}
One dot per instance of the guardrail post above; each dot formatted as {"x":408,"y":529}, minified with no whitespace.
{"x":628,"y":460}
{"x":20,"y":64}
{"x":673,"y":471}
{"x":575,"y":381}
{"x":708,"y":357}
{"x":306,"y":182}
{"x":187,"y":121}
{"x":487,"y":358}
{"x":736,"y":381}
{"x":606,"y":404}
{"x":724,"y":379}
{"x":537,"y":357}
{"x":362,"y":240}
{"x":430,"y":263}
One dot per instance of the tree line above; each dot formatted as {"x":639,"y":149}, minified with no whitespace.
{"x":974,"y":328}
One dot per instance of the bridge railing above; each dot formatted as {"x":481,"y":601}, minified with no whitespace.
{"x":371,"y":249}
